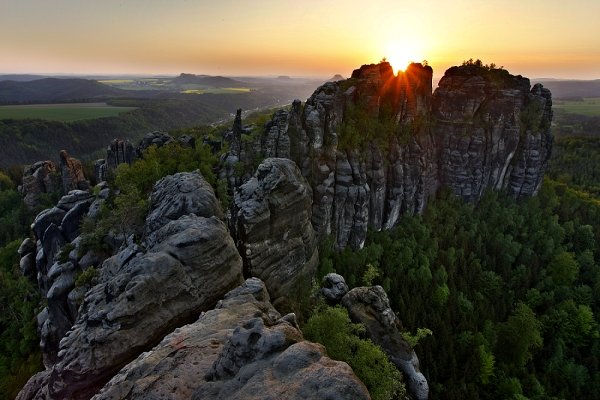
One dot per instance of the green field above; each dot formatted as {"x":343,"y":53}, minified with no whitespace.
{"x":588,"y":106}
{"x":62,"y":112}
{"x":217,"y":90}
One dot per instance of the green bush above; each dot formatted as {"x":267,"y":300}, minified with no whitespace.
{"x":19,"y":343}
{"x":86,"y":278}
{"x":331,"y":326}
{"x":125,"y":213}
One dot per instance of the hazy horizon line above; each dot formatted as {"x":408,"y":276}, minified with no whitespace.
{"x":266,"y":75}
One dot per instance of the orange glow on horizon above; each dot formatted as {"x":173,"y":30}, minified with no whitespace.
{"x":298,"y":39}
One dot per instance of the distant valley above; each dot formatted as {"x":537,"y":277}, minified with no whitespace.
{"x":42,"y":116}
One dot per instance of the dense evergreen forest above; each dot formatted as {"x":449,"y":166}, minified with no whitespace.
{"x":509,"y":290}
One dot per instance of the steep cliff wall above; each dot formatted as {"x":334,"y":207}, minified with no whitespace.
{"x":378,"y":145}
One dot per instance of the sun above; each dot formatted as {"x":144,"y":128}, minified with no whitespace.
{"x":400,"y":58}
{"x":399,"y":61}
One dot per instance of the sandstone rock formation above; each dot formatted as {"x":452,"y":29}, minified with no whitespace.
{"x":121,"y":151}
{"x":41,"y":177}
{"x":49,"y":263}
{"x":71,"y":171}
{"x":494,"y":130}
{"x":118,"y":152}
{"x":271,"y":223}
{"x":371,"y":307}
{"x":242,"y":349}
{"x":178,"y":195}
{"x":333,"y":288}
{"x":159,"y":139}
{"x":481,"y":129}
{"x":150,"y":295}
{"x":140,"y":296}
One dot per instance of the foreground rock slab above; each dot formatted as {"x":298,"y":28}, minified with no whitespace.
{"x":242,"y":349}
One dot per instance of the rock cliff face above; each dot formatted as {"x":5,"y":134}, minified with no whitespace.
{"x":271,"y":223}
{"x":493,"y":130}
{"x":376,"y":146}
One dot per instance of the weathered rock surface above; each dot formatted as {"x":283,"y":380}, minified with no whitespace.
{"x":184,"y":274}
{"x":118,"y":152}
{"x":43,"y":261}
{"x":494,"y":132}
{"x":71,"y":171}
{"x":333,"y":288}
{"x":36,"y":388}
{"x":140,"y":296}
{"x":242,"y":349}
{"x":371,"y":307}
{"x":271,"y":223}
{"x":156,"y":138}
{"x":41,"y":177}
{"x":189,"y":265}
{"x":177,"y":195}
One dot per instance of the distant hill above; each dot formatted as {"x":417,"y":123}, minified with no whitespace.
{"x":207,"y":80}
{"x":335,"y":78}
{"x":571,"y":88}
{"x":21,"y":77}
{"x":54,"y":89}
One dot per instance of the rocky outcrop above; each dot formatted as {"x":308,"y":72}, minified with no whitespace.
{"x":122,"y":151}
{"x":190,"y":263}
{"x":71,"y":171}
{"x":379,"y":145}
{"x":118,"y":152}
{"x":271,"y":224}
{"x":494,"y":132}
{"x":333,"y":288}
{"x":370,"y":306}
{"x":160,"y":139}
{"x":241,"y":349}
{"x":41,"y":177}
{"x":129,"y":312}
{"x":139,"y":295}
{"x":178,"y":195}
{"x":54,"y":266}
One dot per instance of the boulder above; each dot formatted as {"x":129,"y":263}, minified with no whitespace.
{"x":271,"y":223}
{"x":27,"y":246}
{"x":72,"y":220}
{"x":333,"y":288}
{"x":73,"y":198}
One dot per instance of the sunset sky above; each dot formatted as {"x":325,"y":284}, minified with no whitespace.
{"x":536,"y":38}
